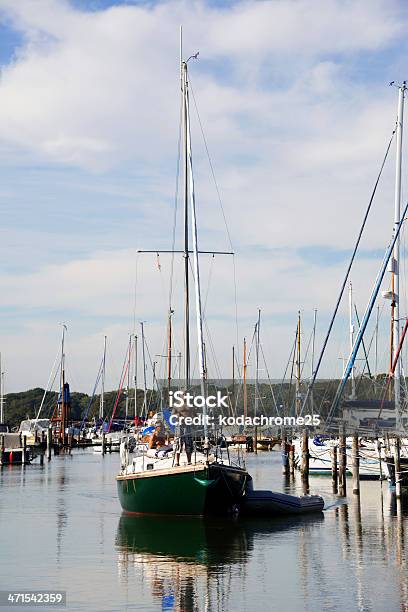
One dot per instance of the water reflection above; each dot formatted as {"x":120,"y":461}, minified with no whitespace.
{"x":190,"y":563}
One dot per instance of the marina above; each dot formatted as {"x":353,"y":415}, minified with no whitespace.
{"x":351,"y":556}
{"x":224,"y":427}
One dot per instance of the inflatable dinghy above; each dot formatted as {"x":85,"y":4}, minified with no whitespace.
{"x":269,"y":503}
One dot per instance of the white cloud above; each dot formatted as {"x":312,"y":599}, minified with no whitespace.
{"x":296,"y":134}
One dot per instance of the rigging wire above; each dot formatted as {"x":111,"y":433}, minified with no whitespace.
{"x":222,"y":211}
{"x":346,"y":277}
{"x":48,"y":387}
{"x":269,"y":379}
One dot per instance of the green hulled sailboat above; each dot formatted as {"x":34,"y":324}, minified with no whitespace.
{"x":209,"y":484}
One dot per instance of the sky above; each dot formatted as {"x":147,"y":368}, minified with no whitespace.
{"x":295,"y":104}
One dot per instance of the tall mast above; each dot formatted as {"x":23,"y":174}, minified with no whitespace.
{"x":233,"y":381}
{"x":396,"y":253}
{"x":102,"y":400}
{"x":128,"y":378}
{"x":1,"y":395}
{"x":257,"y":326}
{"x":135,"y":378}
{"x":376,"y":343}
{"x":245,"y":380}
{"x":298,"y":373}
{"x":144,"y":372}
{"x":169,"y":349}
{"x":62,"y":383}
{"x":312,"y":359}
{"x":351,"y":332}
{"x":196,"y":266}
{"x":186,"y":233}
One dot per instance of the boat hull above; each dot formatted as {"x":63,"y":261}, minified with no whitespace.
{"x":188,"y":490}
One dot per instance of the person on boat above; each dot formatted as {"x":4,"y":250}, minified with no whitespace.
{"x":183,"y":438}
{"x":158,"y":437}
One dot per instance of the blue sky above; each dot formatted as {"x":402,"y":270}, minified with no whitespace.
{"x":297,"y":111}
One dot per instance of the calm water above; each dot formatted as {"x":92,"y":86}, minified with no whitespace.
{"x":61,"y":528}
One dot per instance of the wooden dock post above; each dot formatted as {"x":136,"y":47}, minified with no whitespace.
{"x":334,"y":469}
{"x":397,"y":468}
{"x":379,"y":458}
{"x":103,"y":443}
{"x":342,"y":466}
{"x":291,"y":459}
{"x":305,"y":455}
{"x":2,"y":447}
{"x":284,"y":454}
{"x":256,"y":440}
{"x":49,"y":443}
{"x":42,"y":458}
{"x":355,"y":462}
{"x":24,"y":455}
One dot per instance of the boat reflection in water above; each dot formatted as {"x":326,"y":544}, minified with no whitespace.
{"x":189,"y":563}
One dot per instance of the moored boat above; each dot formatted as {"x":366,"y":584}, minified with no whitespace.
{"x":151,"y":485}
{"x":189,"y":482}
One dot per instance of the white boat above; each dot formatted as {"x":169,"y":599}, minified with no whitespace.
{"x":33,"y":429}
{"x":321,"y":452}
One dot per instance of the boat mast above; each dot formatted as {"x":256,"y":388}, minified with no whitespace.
{"x":135,"y":379}
{"x":169,"y":353}
{"x":257,"y":326}
{"x":298,"y":364}
{"x":396,"y":254}
{"x":233,"y":381}
{"x":1,"y":395}
{"x":183,"y":74}
{"x":144,"y":372}
{"x":376,"y":343}
{"x":312,"y":360}
{"x":245,"y":379}
{"x":196,"y":266}
{"x":351,"y":332}
{"x":64,"y":415}
{"x":102,"y":399}
{"x":128,"y":379}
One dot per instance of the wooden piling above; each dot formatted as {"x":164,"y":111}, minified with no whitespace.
{"x":24,"y":455}
{"x":284,"y":455}
{"x":305,"y":456}
{"x":42,"y":458}
{"x":103,"y":443}
{"x":379,"y":458}
{"x":291,"y":459}
{"x":256,"y":440}
{"x":49,"y":443}
{"x":355,"y":462}
{"x":342,"y":466}
{"x":334,"y":469}
{"x":2,"y":447}
{"x":397,"y":467}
